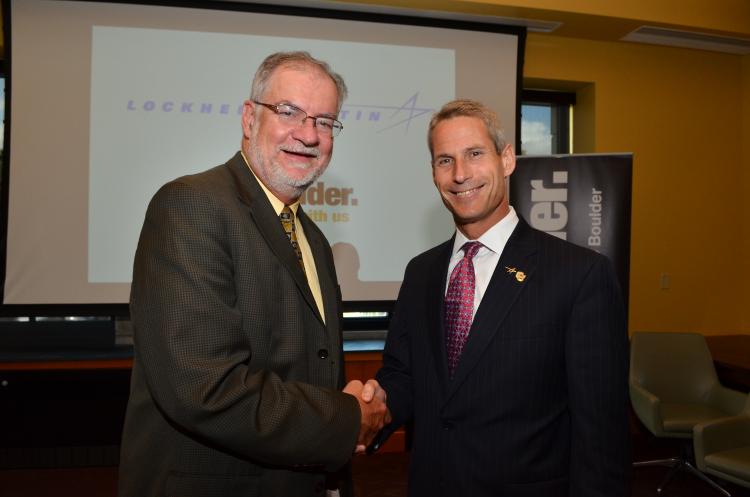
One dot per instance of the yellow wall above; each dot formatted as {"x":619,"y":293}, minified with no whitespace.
{"x":601,"y":19}
{"x":728,"y":16}
{"x":679,"y":112}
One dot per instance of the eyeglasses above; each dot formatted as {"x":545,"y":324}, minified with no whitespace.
{"x":294,"y":115}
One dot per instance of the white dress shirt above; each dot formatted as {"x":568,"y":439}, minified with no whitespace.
{"x":493,"y":242}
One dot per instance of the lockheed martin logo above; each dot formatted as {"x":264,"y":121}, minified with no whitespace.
{"x":398,"y":115}
{"x":385,"y":116}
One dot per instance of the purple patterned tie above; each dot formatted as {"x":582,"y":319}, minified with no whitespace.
{"x":459,"y":305}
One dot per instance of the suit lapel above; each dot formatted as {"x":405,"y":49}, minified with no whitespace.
{"x":514,"y":270}
{"x":250,"y":193}
{"x":435,"y":302}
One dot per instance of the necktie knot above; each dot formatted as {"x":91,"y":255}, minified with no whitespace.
{"x":286,"y":215}
{"x":470,"y":249}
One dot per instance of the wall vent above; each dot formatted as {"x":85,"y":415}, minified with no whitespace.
{"x":689,"y":39}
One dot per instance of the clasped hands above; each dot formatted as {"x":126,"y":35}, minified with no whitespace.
{"x":374,"y":412}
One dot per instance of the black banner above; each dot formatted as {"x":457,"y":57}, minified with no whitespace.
{"x":584,"y":199}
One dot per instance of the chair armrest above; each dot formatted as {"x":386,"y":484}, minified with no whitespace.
{"x":730,"y":401}
{"x":720,"y":434}
{"x":646,"y":406}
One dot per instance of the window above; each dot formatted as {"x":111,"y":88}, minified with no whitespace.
{"x":546,"y":122}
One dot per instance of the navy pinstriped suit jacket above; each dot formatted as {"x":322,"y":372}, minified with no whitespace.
{"x":538,"y":405}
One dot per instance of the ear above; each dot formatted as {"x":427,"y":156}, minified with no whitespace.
{"x":248,"y":117}
{"x":508,"y":157}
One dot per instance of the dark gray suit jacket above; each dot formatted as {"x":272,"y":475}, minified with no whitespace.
{"x":236,"y":379}
{"x":538,"y":405}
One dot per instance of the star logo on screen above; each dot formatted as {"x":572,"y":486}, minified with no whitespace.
{"x":391,"y":116}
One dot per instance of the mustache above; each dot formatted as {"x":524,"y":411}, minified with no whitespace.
{"x":301,"y":149}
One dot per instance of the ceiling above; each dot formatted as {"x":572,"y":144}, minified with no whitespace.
{"x":721,"y":25}
{"x":704,"y":24}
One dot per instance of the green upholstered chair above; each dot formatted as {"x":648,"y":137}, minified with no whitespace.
{"x":674,"y":387}
{"x":722,"y":447}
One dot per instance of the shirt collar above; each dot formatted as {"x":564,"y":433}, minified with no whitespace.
{"x":277,"y":204}
{"x":494,"y":238}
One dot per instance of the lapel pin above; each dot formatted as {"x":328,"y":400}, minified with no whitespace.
{"x":511,"y":270}
{"x":520,"y":276}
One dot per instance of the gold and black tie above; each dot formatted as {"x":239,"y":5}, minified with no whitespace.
{"x":287,"y":221}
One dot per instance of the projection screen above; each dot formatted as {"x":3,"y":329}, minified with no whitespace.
{"x":109,"y":101}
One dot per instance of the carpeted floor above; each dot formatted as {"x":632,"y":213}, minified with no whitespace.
{"x":384,"y":475}
{"x":380,"y":475}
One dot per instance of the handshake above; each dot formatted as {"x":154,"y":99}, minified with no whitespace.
{"x":374,"y":412}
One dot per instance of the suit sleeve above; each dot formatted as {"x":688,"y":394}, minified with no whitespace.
{"x":191,"y":346}
{"x":395,"y":375}
{"x":597,"y":364}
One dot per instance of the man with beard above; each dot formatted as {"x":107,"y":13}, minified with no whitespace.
{"x":238,"y":367}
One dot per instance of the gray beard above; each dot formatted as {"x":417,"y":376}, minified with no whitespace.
{"x":276,"y":179}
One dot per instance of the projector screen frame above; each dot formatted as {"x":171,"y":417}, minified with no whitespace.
{"x":121,"y":310}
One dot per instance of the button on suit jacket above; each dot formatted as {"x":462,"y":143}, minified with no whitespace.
{"x":538,"y":403}
{"x":230,"y":395}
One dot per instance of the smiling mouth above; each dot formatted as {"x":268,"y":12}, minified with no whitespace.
{"x":467,"y":193}
{"x":300,"y":154}
{"x":307,"y":153}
